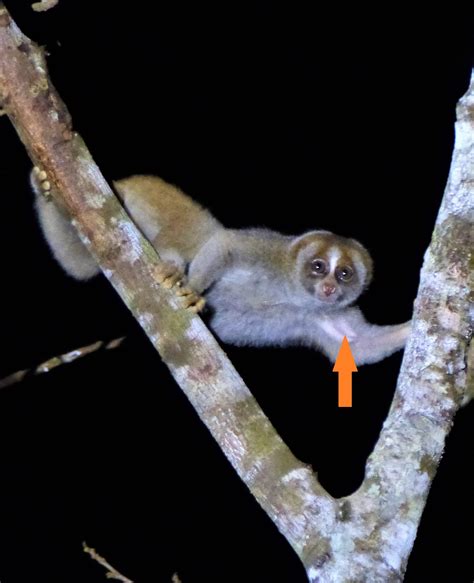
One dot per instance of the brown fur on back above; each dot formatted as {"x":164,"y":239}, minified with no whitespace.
{"x":168,"y":211}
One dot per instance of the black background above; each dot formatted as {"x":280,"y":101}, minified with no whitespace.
{"x":288,"y":117}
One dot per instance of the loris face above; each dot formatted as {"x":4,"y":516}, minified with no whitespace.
{"x":332,"y":271}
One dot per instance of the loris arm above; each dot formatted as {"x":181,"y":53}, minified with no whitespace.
{"x":210,"y":261}
{"x":284,"y":325}
{"x":369,"y":342}
{"x":227,"y":247}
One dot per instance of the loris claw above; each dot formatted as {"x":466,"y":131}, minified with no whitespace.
{"x":263,"y":288}
{"x":170,"y":276}
{"x":191,"y":300}
{"x":39,"y":181}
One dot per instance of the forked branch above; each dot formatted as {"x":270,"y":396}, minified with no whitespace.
{"x":366,"y":536}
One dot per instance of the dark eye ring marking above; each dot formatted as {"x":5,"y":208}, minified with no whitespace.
{"x":344,"y":273}
{"x":318,"y":267}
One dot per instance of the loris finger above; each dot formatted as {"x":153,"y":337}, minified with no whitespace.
{"x":191,"y":300}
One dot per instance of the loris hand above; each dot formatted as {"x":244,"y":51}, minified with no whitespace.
{"x":171,"y":277}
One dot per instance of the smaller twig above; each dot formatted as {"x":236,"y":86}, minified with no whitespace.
{"x":55,"y":361}
{"x":112,"y":573}
{"x":44,"y":5}
{"x":13,"y":378}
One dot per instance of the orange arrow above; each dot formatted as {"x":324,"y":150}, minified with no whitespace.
{"x":345,"y":366}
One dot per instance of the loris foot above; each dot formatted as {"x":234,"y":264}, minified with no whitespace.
{"x":40,"y":182}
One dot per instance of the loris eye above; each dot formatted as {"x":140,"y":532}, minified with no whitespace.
{"x":344,"y":273}
{"x":318,"y":267}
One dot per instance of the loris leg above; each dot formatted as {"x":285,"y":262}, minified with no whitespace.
{"x":76,"y":260}
{"x":60,"y":235}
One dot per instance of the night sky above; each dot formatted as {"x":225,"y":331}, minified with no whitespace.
{"x":291,"y":118}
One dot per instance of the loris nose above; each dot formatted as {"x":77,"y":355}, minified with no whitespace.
{"x":328,"y":289}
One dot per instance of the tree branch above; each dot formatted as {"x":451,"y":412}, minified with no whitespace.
{"x":384,"y":513}
{"x":286,"y":489}
{"x":44,"y":5}
{"x":112,"y":572}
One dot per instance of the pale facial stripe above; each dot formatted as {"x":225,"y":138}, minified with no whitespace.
{"x":333,"y":256}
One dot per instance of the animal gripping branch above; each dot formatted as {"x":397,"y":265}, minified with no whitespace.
{"x":364,"y":537}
